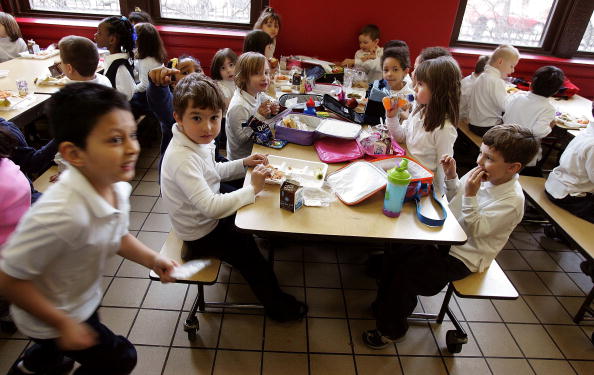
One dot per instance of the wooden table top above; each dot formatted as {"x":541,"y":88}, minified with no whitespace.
{"x":363,"y":221}
{"x":28,"y":69}
{"x":26,"y":110}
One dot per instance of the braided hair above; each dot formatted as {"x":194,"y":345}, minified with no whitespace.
{"x":124,"y":31}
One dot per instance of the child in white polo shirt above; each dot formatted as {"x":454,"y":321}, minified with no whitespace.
{"x":487,"y":202}
{"x":201,"y":209}
{"x":467,"y":84}
{"x":53,"y":263}
{"x":487,"y":99}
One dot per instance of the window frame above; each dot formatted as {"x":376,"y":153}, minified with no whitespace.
{"x":561,"y":38}
{"x":22,"y":8}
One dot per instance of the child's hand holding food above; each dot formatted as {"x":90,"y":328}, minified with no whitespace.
{"x":258,"y":177}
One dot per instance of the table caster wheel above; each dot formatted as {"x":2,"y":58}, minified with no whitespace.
{"x":455,"y":340}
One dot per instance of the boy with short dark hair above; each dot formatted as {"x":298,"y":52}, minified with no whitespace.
{"x":80,"y":58}
{"x":533,"y":110}
{"x":53,"y":263}
{"x":488,"y":202}
{"x":201,"y":214}
{"x":367,"y":58}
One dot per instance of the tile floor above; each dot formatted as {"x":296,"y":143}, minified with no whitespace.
{"x":532,"y":335}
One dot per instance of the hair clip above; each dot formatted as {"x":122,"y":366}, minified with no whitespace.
{"x":134,"y":35}
{"x":123,"y":18}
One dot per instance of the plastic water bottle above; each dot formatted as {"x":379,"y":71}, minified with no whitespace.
{"x":398,"y":180}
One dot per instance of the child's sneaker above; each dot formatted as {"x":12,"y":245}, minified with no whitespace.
{"x":64,"y":368}
{"x":374,"y":339}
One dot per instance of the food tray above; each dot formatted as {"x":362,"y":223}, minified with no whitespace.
{"x":357,"y":182}
{"x":51,"y":81}
{"x":339,"y":129}
{"x":307,"y":173}
{"x":571,"y":121}
{"x":45,"y":54}
{"x":15,"y":101}
{"x":4,"y":73}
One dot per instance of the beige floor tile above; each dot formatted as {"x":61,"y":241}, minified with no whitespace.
{"x":10,"y":351}
{"x":141,"y":203}
{"x":583,"y":281}
{"x":136,"y":220}
{"x":242,"y":332}
{"x":207,"y":335}
{"x":165,"y":296}
{"x":284,"y":363}
{"x":432,"y":305}
{"x":328,"y":364}
{"x":150,"y":360}
{"x":418,"y":341}
{"x":325,"y":303}
{"x":289,"y":273}
{"x":495,"y":340}
{"x":465,"y":366}
{"x":560,"y":284}
{"x":119,"y":320}
{"x":509,"y":246}
{"x":572,"y":305}
{"x":354,"y":277}
{"x":548,"y":309}
{"x":324,"y":275}
{"x":568,"y":260}
{"x":157,"y":223}
{"x":139,"y":173}
{"x":183,"y":361}
{"x":153,"y":240}
{"x":440,"y":331}
{"x":534,"y":341}
{"x":550,"y":244}
{"x":147,"y":188}
{"x":423,"y":365}
{"x":125,"y":292}
{"x":212,"y":293}
{"x":285,"y":337}
{"x":551,"y":367}
{"x":512,"y":260}
{"x":583,"y":368}
{"x":289,"y":252}
{"x":377,"y":365}
{"x":358,"y":303}
{"x":112,"y":265}
{"x":237,"y":277}
{"x":540,"y":261}
{"x":151,"y":175}
{"x":154,"y":327}
{"x":357,"y":328}
{"x":478,"y":310}
{"x":159,"y":207}
{"x":235,"y":362}
{"x":321,"y":253}
{"x":505,"y":366}
{"x":515,"y":311}
{"x":527,"y":282}
{"x":572,"y":341}
{"x":329,"y":335}
{"x":351,"y":255}
{"x":524,"y":241}
{"x":132,"y":269}
{"x":241,"y":293}
{"x":144,"y":161}
{"x":105,"y":283}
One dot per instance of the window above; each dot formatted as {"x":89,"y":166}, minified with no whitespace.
{"x":225,"y":13}
{"x":557,"y":27}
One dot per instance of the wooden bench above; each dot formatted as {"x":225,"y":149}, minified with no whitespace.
{"x":491,"y":283}
{"x":173,"y":248}
{"x":474,"y":138}
{"x":42,"y":182}
{"x":576,"y":230}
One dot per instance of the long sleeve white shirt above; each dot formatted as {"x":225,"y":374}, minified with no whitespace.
{"x":426,"y":147}
{"x":190,"y":185}
{"x":124,"y":80}
{"x":144,"y":67}
{"x":372,"y":67}
{"x":575,"y":173}
{"x":10,"y":50}
{"x":530,"y":111}
{"x":487,"y":99}
{"x":241,"y":108}
{"x":487,"y":218}
{"x":465,"y":90}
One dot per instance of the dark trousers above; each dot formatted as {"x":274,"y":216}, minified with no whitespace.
{"x":410,"y":271}
{"x":113,"y":354}
{"x":582,"y":207}
{"x":239,"y":249}
{"x":479,"y":130}
{"x":533,"y":171}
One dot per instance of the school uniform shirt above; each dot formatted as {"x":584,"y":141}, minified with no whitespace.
{"x":9,"y":49}
{"x":15,"y":197}
{"x":99,"y":78}
{"x":530,"y":111}
{"x":190,"y":185}
{"x":144,"y":66}
{"x":227,"y":88}
{"x":426,"y":147}
{"x":487,"y":99}
{"x":62,"y":245}
{"x":372,"y":67}
{"x":465,"y":89}
{"x":124,"y":80}
{"x":488,"y":219}
{"x":241,"y":107}
{"x":575,"y":174}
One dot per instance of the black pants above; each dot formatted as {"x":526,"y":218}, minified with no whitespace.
{"x":532,"y":171}
{"x":239,"y":249}
{"x":112,"y":355}
{"x":582,"y":207}
{"x":410,"y":271}
{"x":479,"y":130}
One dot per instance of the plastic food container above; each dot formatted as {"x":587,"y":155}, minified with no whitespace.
{"x":298,"y":136}
{"x":357,"y":182}
{"x":306,"y":173}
